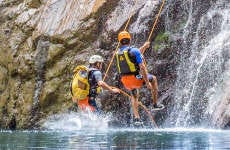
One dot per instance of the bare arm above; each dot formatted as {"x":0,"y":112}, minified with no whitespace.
{"x":106,"y":86}
{"x":144,"y":73}
{"x":144,"y":47}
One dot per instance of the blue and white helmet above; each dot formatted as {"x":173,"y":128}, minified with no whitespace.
{"x":95,"y":58}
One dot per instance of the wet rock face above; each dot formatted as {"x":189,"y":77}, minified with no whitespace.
{"x":3,"y":79}
{"x":39,"y":48}
{"x":58,"y":16}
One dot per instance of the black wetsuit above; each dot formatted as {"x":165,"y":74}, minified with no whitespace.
{"x":95,"y":76}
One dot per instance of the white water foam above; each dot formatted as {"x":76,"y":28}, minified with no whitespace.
{"x":173,"y":130}
{"x":77,"y":121}
{"x":202,"y":86}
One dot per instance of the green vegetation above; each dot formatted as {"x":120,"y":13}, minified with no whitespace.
{"x":161,"y":40}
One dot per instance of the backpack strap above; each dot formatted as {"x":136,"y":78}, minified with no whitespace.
{"x":132,"y":57}
{"x":92,"y":90}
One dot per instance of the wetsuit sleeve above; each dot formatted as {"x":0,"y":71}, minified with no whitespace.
{"x":137,"y":54}
{"x":98,"y":75}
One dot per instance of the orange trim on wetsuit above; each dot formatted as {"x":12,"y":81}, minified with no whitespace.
{"x":130,"y":82}
{"x":84,"y":105}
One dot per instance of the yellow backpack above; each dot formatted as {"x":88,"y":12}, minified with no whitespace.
{"x":80,"y":84}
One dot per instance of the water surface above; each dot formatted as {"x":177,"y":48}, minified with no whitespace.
{"x":174,"y":138}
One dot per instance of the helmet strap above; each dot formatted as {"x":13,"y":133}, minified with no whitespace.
{"x":99,"y":65}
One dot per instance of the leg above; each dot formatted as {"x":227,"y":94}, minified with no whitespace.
{"x":136,"y":121}
{"x":154,"y":89}
{"x":92,"y":103}
{"x":134,"y":101}
{"x":154,"y":92}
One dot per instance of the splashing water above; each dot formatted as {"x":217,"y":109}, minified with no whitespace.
{"x":77,"y":121}
{"x":203,"y":79}
{"x":141,"y":24}
{"x":40,"y":60}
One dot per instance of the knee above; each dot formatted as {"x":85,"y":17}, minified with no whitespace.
{"x":154,"y":83}
{"x":153,"y":80}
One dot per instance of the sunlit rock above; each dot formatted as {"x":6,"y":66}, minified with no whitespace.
{"x":58,"y":16}
{"x":54,"y":51}
{"x":122,"y":12}
{"x":25,"y":16}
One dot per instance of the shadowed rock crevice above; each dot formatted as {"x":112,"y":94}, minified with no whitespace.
{"x":40,"y":65}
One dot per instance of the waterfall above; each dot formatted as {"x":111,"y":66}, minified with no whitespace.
{"x":40,"y":61}
{"x":201,"y":96}
{"x":138,"y":26}
{"x":121,"y":14}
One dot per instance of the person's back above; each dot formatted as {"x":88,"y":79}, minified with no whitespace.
{"x":128,"y":60}
{"x":133,"y":71}
{"x":95,"y":75}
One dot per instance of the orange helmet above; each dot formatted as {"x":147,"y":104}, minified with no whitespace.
{"x":123,"y":35}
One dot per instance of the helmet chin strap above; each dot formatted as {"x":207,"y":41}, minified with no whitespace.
{"x":98,"y":65}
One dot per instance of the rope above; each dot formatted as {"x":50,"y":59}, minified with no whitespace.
{"x":154,"y":25}
{"x":155,"y":22}
{"x":126,"y":26}
{"x":110,"y":63}
{"x":143,"y":106}
{"x":149,"y":113}
{"x":150,"y":35}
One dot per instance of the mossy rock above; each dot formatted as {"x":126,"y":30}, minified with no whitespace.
{"x":55,"y":50}
{"x":3,"y":78}
{"x":33,"y":3}
{"x":161,"y":40}
{"x":57,"y":70}
{"x":51,"y":95}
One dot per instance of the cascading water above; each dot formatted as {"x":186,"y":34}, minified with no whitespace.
{"x":121,"y":14}
{"x":203,"y":76}
{"x":144,"y":9}
{"x":40,"y":61}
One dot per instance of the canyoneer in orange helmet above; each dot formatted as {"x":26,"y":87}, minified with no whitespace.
{"x":133,"y":72}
